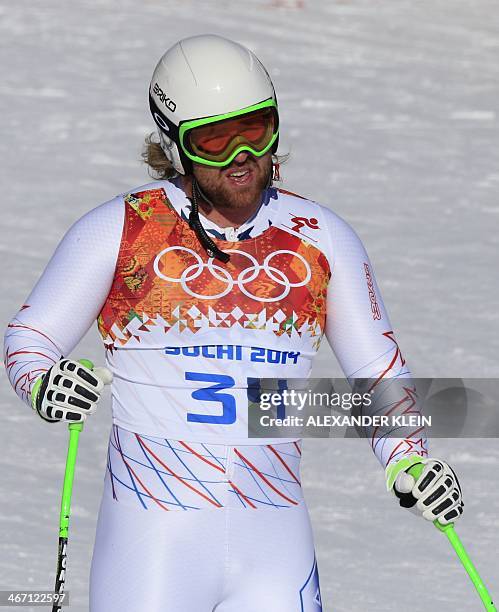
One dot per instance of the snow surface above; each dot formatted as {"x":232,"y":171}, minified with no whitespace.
{"x":390,"y":112}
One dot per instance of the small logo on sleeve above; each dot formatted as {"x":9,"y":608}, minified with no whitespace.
{"x":300,"y":222}
{"x":372,"y":294}
{"x":301,"y":225}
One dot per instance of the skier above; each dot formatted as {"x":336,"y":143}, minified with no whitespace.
{"x":200,"y":282}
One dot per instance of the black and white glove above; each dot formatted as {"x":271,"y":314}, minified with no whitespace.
{"x":435,"y":494}
{"x":69,"y":391}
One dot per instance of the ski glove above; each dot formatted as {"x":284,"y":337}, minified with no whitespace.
{"x":436,"y":494}
{"x":69,"y":391}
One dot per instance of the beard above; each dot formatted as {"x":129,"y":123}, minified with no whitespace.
{"x":215,"y":187}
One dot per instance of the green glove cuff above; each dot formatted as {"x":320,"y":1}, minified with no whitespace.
{"x":34,"y":391}
{"x":394,"y":469}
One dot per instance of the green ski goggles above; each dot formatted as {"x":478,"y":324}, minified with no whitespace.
{"x":216,"y":141}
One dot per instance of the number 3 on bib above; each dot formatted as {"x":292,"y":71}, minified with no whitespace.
{"x":213,"y":394}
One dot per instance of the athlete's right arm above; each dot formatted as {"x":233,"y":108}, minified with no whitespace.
{"x":66,"y":299}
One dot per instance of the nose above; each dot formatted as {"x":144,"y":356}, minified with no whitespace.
{"x":240,"y":158}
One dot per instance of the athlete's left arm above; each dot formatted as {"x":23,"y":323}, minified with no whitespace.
{"x":362,"y":338}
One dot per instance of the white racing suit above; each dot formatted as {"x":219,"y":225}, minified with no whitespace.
{"x":196,"y":516}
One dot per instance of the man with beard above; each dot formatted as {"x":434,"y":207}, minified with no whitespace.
{"x":202,"y":283}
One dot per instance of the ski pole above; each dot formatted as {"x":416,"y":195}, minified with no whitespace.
{"x":74,"y":433}
{"x":415,"y":471}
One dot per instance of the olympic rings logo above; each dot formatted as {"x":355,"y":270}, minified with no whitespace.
{"x":244,"y":277}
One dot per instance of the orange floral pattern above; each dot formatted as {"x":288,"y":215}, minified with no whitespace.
{"x":275,"y":276}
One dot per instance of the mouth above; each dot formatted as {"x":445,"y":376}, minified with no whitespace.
{"x":239,"y":176}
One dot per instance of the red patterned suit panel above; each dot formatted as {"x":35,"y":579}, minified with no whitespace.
{"x":163,"y":273}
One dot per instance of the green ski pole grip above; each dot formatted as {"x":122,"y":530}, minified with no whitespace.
{"x":415,"y":471}
{"x":87,"y":363}
{"x":67,"y":487}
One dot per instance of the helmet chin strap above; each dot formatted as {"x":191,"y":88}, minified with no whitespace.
{"x":195,"y":223}
{"x":201,"y":192}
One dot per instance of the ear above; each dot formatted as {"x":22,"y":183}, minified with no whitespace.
{"x":276,"y":174}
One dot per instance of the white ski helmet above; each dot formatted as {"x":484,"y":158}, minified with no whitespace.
{"x":205,"y":76}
